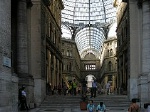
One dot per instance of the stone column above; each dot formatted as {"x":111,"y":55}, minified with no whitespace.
{"x":146,"y":37}
{"x":22,"y":61}
{"x":23,"y":57}
{"x":145,"y":54}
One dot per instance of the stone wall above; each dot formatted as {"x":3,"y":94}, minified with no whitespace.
{"x":8,"y":95}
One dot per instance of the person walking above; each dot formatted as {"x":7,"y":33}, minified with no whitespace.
{"x":134,"y":107}
{"x":48,"y":89}
{"x":84,"y":87}
{"x":22,"y":98}
{"x":101,"y":107}
{"x":70,"y":88}
{"x":94,"y":88}
{"x":90,"y":106}
{"x":108,"y":88}
{"x":64,"y":88}
{"x":59,"y":89}
{"x":74,"y":84}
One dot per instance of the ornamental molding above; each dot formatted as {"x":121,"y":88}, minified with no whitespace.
{"x":140,"y":2}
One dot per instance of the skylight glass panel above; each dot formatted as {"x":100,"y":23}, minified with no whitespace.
{"x":81,"y":13}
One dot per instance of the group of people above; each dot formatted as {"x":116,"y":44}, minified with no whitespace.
{"x":99,"y":108}
{"x":134,"y":107}
{"x":96,"y":89}
{"x":72,"y":88}
{"x":90,"y":106}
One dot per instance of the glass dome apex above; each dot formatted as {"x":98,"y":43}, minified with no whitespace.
{"x":87,"y":22}
{"x":88,"y":11}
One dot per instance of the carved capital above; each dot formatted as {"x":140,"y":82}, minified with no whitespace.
{"x":124,"y":1}
{"x":140,"y":2}
{"x":29,"y":3}
{"x":47,"y":2}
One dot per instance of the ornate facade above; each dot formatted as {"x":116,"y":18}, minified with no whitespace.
{"x":30,"y":36}
{"x":108,"y":71}
{"x":133,"y":47}
{"x":122,"y":49}
{"x":71,"y":61}
{"x":90,"y":65}
{"x":30,"y":51}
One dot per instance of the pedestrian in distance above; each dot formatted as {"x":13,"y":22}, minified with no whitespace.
{"x":74,"y":86}
{"x":59,"y":89}
{"x":48,"y":88}
{"x":64,"y":88}
{"x":84,"y":86}
{"x":134,"y":107}
{"x":101,"y":107}
{"x":94,"y":89}
{"x":23,"y":99}
{"x":108,"y":88}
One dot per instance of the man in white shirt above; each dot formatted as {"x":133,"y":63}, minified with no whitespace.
{"x":23,"y":99}
{"x":94,"y":87}
{"x":108,"y":88}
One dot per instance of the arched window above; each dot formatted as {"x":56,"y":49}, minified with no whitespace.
{"x":67,"y":52}
{"x":70,"y":54}
{"x":110,"y":66}
{"x":111,"y":52}
{"x":107,"y":53}
{"x":90,"y":67}
{"x":63,"y":52}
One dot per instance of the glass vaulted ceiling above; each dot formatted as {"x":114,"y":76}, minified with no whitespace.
{"x":87,"y":22}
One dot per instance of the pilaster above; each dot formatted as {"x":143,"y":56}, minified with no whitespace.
{"x":22,"y":59}
{"x":143,"y":88}
{"x":149,"y":87}
{"x":146,"y":37}
{"x":145,"y":54}
{"x":7,"y":93}
{"x":23,"y":50}
{"x":134,"y":50}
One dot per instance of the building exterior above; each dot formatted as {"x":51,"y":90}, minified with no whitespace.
{"x":8,"y":80}
{"x":71,"y":61}
{"x":51,"y":18}
{"x":90,"y":65}
{"x":108,"y":63}
{"x":32,"y":52}
{"x":133,"y":35}
{"x":30,"y":31}
{"x":123,"y":49}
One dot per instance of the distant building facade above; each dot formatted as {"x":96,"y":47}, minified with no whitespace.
{"x":71,"y":61}
{"x":90,"y":65}
{"x":108,"y":62}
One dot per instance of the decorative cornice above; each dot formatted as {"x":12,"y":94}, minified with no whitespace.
{"x":47,"y":2}
{"x":115,"y":3}
{"x":29,"y":3}
{"x":124,"y":1}
{"x":140,"y":2}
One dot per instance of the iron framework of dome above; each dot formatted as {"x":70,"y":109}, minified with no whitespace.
{"x":87,"y":22}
